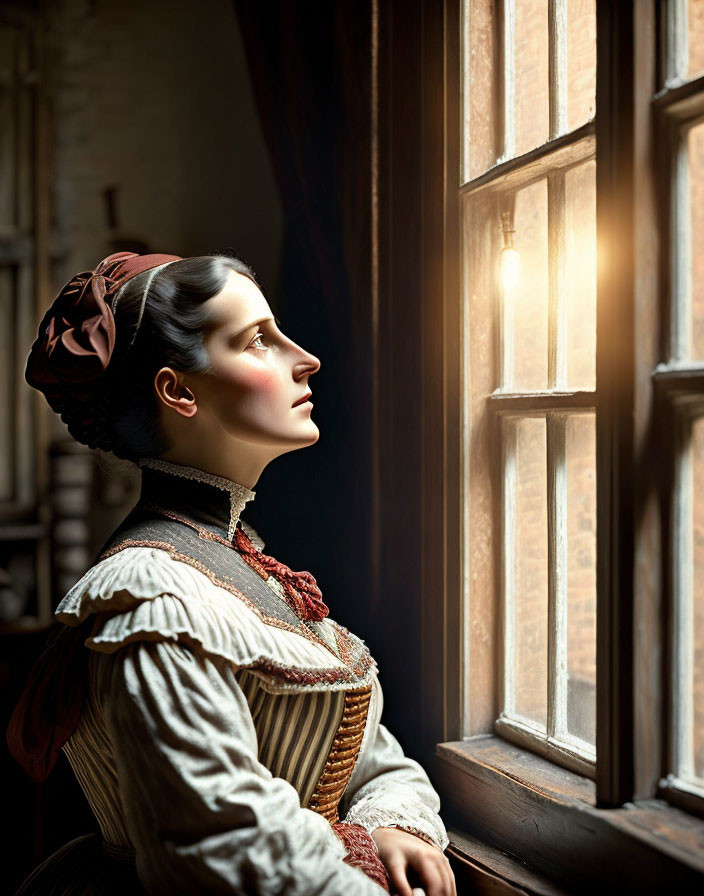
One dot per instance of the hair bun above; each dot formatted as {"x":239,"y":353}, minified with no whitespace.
{"x":76,"y":337}
{"x":76,"y":341}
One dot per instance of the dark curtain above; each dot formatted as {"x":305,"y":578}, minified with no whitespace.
{"x":309,"y":64}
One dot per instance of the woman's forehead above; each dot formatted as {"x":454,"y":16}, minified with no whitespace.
{"x":238,"y":303}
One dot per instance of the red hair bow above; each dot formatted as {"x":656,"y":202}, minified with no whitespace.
{"x":77,"y":334}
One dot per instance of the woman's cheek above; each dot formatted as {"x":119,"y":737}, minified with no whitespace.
{"x":258,"y":390}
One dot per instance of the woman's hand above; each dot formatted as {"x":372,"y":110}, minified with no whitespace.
{"x":400,"y":851}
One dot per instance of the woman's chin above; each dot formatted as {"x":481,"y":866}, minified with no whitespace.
{"x":315,"y":434}
{"x":305,"y":437}
{"x":312,"y":434}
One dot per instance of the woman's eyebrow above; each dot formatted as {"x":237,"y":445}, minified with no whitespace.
{"x":255,"y":323}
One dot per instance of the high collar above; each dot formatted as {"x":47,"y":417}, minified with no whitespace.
{"x":203,"y":496}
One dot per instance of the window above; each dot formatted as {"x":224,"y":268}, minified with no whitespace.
{"x":528,"y":203}
{"x":679,"y":107}
{"x":560,"y":475}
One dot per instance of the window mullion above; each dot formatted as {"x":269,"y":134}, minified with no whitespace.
{"x":676,"y":44}
{"x":507,"y":301}
{"x":557,"y":29}
{"x":557,"y":573}
{"x":509,"y":440}
{"x":557,"y":307}
{"x":465,"y":24}
{"x":508,"y":80}
{"x":680,"y":307}
{"x":682,"y":646}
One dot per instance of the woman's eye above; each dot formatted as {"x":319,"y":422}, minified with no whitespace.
{"x":257,"y":341}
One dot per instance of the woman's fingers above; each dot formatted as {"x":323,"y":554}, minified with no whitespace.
{"x":401,"y":851}
{"x":448,"y":877}
{"x":397,"y":872}
{"x":436,"y":875}
{"x":452,"y":888}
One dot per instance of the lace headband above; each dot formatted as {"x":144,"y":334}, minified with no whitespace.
{"x":152,"y":274}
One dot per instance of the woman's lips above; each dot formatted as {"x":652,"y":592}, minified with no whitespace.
{"x":304,"y":400}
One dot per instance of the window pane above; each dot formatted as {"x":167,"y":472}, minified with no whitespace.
{"x":531,"y":67}
{"x":695,"y":23}
{"x":530,"y":564}
{"x":581,"y":62}
{"x":696,"y":651}
{"x":580,"y":275}
{"x":480,"y":67}
{"x":580,"y":453}
{"x":695,"y":147}
{"x":529,"y":298}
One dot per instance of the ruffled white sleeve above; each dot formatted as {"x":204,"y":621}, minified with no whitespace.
{"x":204,"y":814}
{"x":388,"y":788}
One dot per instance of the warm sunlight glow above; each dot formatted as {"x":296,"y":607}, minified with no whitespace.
{"x":510,"y":269}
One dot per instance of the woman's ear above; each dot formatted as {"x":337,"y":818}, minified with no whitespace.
{"x":174,"y":393}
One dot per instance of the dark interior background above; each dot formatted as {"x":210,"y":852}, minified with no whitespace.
{"x":197,"y":128}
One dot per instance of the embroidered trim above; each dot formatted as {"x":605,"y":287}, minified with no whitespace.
{"x":362,"y":852}
{"x":239,"y":494}
{"x":341,"y":639}
{"x":354,"y":670}
{"x":250,"y":560}
{"x":203,"y":533}
{"x":342,"y":756}
{"x":292,"y":675}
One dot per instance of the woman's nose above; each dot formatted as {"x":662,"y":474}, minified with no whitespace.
{"x":309,"y":364}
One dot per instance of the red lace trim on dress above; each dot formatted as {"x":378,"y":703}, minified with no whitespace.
{"x":300,"y":588}
{"x":362,"y":852}
{"x":356,"y":668}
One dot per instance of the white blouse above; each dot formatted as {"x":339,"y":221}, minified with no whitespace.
{"x":168,"y":754}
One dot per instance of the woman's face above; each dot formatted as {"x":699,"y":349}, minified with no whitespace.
{"x":257,"y":373}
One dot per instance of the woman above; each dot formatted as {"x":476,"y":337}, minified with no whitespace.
{"x":225,"y":731}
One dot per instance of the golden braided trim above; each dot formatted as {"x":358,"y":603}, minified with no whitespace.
{"x":342,"y":756}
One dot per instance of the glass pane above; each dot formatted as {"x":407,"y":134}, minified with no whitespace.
{"x":481,"y":232}
{"x":531,"y":68}
{"x":481,"y":49}
{"x":531,"y":571}
{"x":581,"y":62}
{"x":695,"y":146}
{"x":580,"y":453}
{"x":697,"y":681}
{"x":529,"y":297}
{"x":695,"y":38}
{"x":580,"y":275}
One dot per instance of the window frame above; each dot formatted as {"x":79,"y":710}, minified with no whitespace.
{"x":678,"y":105}
{"x":489,"y":787}
{"x":563,"y":151}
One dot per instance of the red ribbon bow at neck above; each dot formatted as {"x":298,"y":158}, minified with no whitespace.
{"x":300,"y":588}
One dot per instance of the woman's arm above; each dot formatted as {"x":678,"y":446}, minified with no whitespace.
{"x":389,"y":789}
{"x":204,"y":814}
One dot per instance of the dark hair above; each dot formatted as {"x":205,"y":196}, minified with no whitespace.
{"x":126,"y":416}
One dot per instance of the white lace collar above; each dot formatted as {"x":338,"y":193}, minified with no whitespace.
{"x":239,"y":494}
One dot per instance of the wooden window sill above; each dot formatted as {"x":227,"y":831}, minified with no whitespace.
{"x":480,"y":868}
{"x":546,"y":817}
